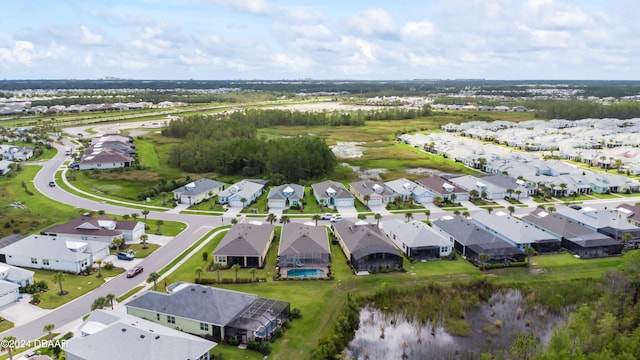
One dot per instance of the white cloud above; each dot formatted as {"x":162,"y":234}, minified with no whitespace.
{"x":89,"y":38}
{"x":200,"y":58}
{"x":295,"y":63}
{"x":88,"y":60}
{"x":259,"y":7}
{"x":25,"y":53}
{"x":372,"y":22}
{"x":416,"y":31}
{"x":314,"y":31}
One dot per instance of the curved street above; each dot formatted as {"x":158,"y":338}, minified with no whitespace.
{"x":197,"y":227}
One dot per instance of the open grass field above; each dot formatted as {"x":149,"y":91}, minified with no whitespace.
{"x":40,"y":211}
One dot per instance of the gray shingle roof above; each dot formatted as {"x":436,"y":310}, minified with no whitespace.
{"x":516,"y":230}
{"x":341,"y":191}
{"x":466,"y":232}
{"x":363,"y":240}
{"x":278,"y":192}
{"x":245,"y":240}
{"x":563,"y":227}
{"x":197,"y":187}
{"x":197,"y":302}
{"x":303,"y":239}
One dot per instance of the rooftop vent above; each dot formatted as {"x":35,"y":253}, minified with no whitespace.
{"x":157,"y":337}
{"x":141,"y":336}
{"x":123,"y":329}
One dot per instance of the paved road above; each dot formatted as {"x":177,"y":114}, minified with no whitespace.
{"x":197,"y":226}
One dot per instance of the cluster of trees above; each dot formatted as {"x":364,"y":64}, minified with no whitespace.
{"x":231,"y":147}
{"x":577,"y":109}
{"x":605,"y":329}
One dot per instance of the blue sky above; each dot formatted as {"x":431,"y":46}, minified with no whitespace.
{"x":348,"y":39}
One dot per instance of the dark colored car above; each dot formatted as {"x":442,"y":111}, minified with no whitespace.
{"x":52,"y":183}
{"x":134,"y":271}
{"x":129,"y":255}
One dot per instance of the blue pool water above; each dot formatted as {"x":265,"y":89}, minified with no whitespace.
{"x":305,"y":273}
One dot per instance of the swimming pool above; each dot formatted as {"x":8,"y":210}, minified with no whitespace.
{"x":305,"y":273}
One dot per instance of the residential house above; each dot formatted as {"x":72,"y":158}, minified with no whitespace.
{"x":245,"y":244}
{"x":197,"y":191}
{"x":630,"y":212}
{"x":16,"y":275}
{"x":470,"y":241}
{"x":606,"y":222}
{"x":416,"y":239}
{"x":101,"y":228}
{"x":443,"y":188}
{"x":332,"y":194}
{"x":213,"y":312}
{"x":304,"y":251}
{"x":495,"y":187}
{"x":516,"y":232}
{"x":16,"y":153}
{"x":9,"y":292}
{"x":54,"y":253}
{"x":375,"y":191}
{"x":366,"y":247}
{"x":285,"y":196}
{"x":405,"y":189}
{"x":5,"y":166}
{"x":108,"y":152}
{"x":242,"y":193}
{"x":107,"y":335}
{"x":579,"y":240}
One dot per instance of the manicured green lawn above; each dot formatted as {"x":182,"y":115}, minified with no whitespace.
{"x":140,"y":252}
{"x":76,"y":285}
{"x":126,"y":295}
{"x":5,"y":324}
{"x":605,"y":196}
{"x":167,"y":228}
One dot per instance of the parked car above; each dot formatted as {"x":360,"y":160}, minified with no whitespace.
{"x":128,"y":255}
{"x":52,"y":183}
{"x":134,"y":271}
{"x":326,"y":216}
{"x":336,"y":218}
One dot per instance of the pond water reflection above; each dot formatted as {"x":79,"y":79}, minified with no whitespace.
{"x":495,"y":326}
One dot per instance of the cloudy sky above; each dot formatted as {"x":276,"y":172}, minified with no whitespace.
{"x":320,"y":39}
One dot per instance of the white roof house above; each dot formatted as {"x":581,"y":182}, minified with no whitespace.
{"x":242,"y":193}
{"x":107,"y":335}
{"x":516,"y":232}
{"x":416,"y":239}
{"x":54,"y":253}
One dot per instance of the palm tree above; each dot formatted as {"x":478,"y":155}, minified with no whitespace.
{"x":59,"y":278}
{"x":49,"y":330}
{"x":474,"y":194}
{"x":466,"y":214}
{"x":135,"y":216}
{"x":315,"y":218}
{"x":366,"y":199}
{"x":510,"y":192}
{"x":163,"y":195}
{"x":529,"y":251}
{"x":362,"y":216}
{"x":126,"y":217}
{"x":271,"y":218}
{"x":210,"y":193}
{"x":626,"y":238}
{"x":154,"y":276}
{"x":285,"y":219}
{"x":483,"y":194}
{"x":377,"y":216}
{"x":456,"y":212}
{"x":518,"y":192}
{"x":159,"y":224}
{"x":453,"y":198}
{"x":99,"y":262}
{"x":511,"y":209}
{"x":408,"y":215}
{"x":117,"y":242}
{"x":253,"y":274}
{"x":234,"y":221}
{"x":551,"y":209}
{"x":145,"y":213}
{"x":489,"y":210}
{"x":484,"y":259}
{"x":99,"y":303}
{"x":109,"y":297}
{"x":198,"y":272}
{"x":563,"y":186}
{"x":7,"y":344}
{"x":217,"y":267}
{"x":143,"y":240}
{"x":428,"y":213}
{"x":236,"y":268}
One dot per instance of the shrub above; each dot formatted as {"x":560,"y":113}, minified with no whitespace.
{"x":295,"y":313}
{"x":108,"y":265}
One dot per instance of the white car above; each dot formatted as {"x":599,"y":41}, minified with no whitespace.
{"x":326,"y":216}
{"x":336,"y":218}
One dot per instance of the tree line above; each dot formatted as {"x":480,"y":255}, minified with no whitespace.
{"x":231,"y":147}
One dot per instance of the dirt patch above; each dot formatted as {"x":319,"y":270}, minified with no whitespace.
{"x":348,"y":150}
{"x":536,"y":271}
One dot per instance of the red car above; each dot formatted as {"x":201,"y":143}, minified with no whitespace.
{"x":134,"y":271}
